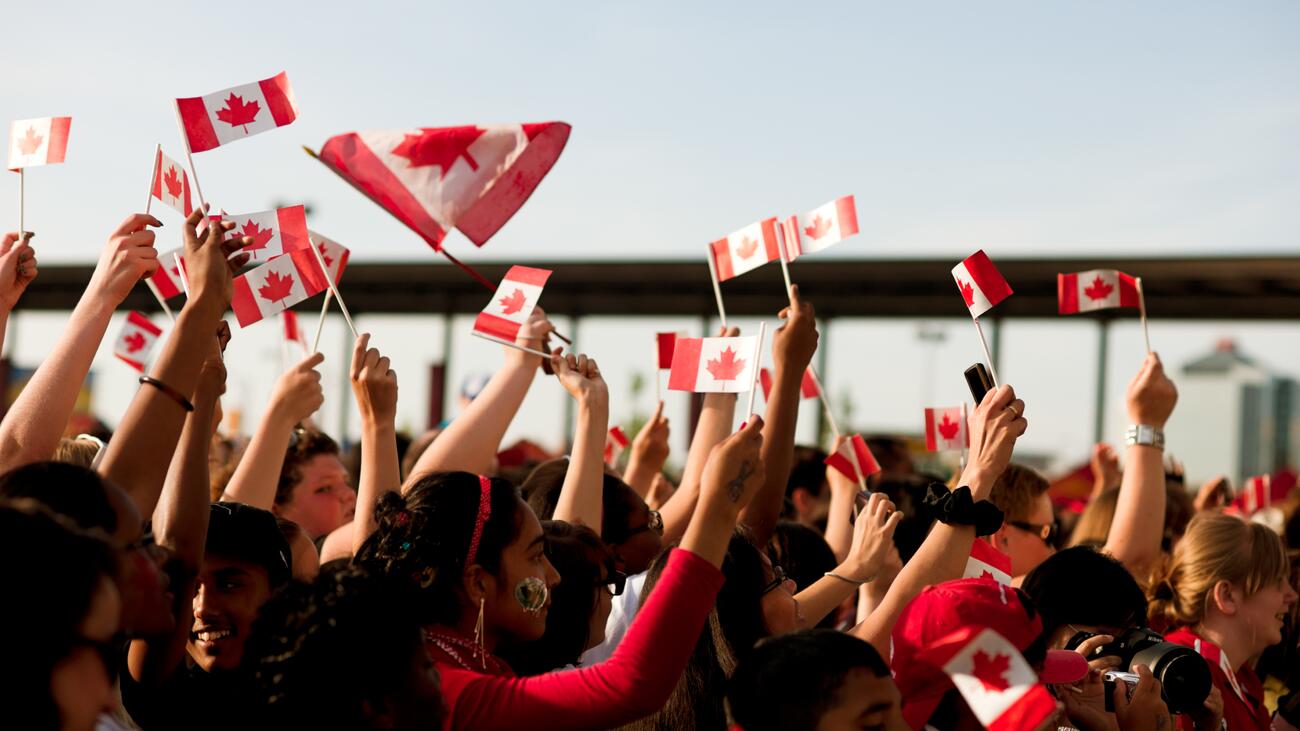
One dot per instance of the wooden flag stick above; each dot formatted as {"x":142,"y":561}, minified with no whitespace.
{"x":148,"y":203}
{"x":1142,"y":311}
{"x":717,"y":290}
{"x":987,"y":355}
{"x":785,"y":267}
{"x":857,"y":467}
{"x":659,"y":394}
{"x":826,"y":404}
{"x":320,"y":324}
{"x":334,"y":290}
{"x":753,"y":385}
{"x":516,"y":346}
{"x":22,"y":203}
{"x":158,"y":296}
{"x":194,"y":172}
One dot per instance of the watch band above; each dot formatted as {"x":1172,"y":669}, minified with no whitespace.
{"x":1145,"y":435}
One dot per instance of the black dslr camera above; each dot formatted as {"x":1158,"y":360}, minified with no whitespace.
{"x":1184,"y":675}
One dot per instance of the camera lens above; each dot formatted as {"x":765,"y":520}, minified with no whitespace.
{"x":1183,"y":674}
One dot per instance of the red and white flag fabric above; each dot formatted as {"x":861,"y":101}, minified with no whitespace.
{"x":820,"y":228}
{"x":276,"y":286}
{"x":713,"y":365}
{"x":292,"y":333}
{"x":171,"y":184}
{"x":615,"y":442}
{"x":273,"y":232}
{"x":136,"y":340}
{"x":666,"y":342}
{"x":980,"y":283}
{"x":333,"y":253}
{"x":35,"y":142}
{"x":514,"y":301}
{"x":215,"y":119}
{"x":987,"y":562}
{"x":807,"y":387}
{"x":945,"y":429}
{"x":745,"y":250}
{"x":433,"y":179}
{"x":852,"y":454}
{"x":1097,"y":289}
{"x":167,"y":277}
{"x":992,"y":676}
{"x":1255,"y":495}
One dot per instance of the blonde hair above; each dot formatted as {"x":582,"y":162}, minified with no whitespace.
{"x":80,"y":452}
{"x":1093,"y":527}
{"x":1215,"y":548}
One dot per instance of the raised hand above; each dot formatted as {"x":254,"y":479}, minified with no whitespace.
{"x":1105,"y":468}
{"x":1144,"y":710}
{"x":873,"y":536}
{"x":1214,"y":494}
{"x":211,"y":260}
{"x":532,"y":335}
{"x":795,"y":342}
{"x":650,"y":445}
{"x":298,"y":393}
{"x":17,"y":268}
{"x":994,"y":427}
{"x":127,"y":258}
{"x":581,"y":377}
{"x":1151,"y":395}
{"x":373,"y":382}
{"x":735,"y":469}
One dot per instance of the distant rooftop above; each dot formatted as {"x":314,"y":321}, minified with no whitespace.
{"x":1224,"y":358}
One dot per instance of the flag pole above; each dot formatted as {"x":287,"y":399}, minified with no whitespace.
{"x":158,"y":296}
{"x":987,"y":355}
{"x":516,"y":346}
{"x":180,"y":124}
{"x":320,"y":324}
{"x":334,"y":290}
{"x":717,"y":290}
{"x":826,"y":404}
{"x":758,"y":351}
{"x":157,"y":157}
{"x":22,"y":204}
{"x":785,"y":267}
{"x":857,"y":467}
{"x":1142,"y":310}
{"x":659,"y":394}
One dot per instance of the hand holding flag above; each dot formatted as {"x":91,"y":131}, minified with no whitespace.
{"x":853,"y":459}
{"x":211,"y":259}
{"x":17,"y":268}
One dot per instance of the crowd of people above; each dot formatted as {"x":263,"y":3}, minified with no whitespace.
{"x":162,"y":580}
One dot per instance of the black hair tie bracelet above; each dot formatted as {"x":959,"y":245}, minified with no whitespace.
{"x":957,"y":508}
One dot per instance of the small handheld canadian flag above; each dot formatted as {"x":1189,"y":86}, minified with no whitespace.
{"x":215,"y":119}
{"x":745,"y":250}
{"x":292,"y":333}
{"x":1097,"y":289}
{"x":945,"y":429}
{"x":992,"y":676}
{"x":615,"y":442}
{"x":807,"y":386}
{"x":334,"y":254}
{"x":704,"y":365}
{"x":136,"y":340}
{"x":273,"y":232}
{"x":666,"y":342}
{"x":35,"y":142}
{"x":820,"y":228}
{"x":171,"y":184}
{"x":1256,"y":495}
{"x":980,"y":283}
{"x":987,"y":562}
{"x":276,"y":286}
{"x":854,"y":460}
{"x":167,"y":277}
{"x":513,"y":302}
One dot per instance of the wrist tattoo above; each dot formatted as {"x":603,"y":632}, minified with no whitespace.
{"x":737,"y":484}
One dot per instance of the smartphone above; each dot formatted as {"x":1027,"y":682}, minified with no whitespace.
{"x":860,"y":501}
{"x":977,"y":378}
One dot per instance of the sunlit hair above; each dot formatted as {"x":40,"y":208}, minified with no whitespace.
{"x":305,"y":444}
{"x":1094,"y":524}
{"x":1016,"y":490}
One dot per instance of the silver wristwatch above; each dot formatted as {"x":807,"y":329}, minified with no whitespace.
{"x":1146,"y":435}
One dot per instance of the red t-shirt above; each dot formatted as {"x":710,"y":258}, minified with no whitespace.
{"x":1243,"y":693}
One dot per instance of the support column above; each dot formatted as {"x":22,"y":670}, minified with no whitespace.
{"x":1103,"y":345}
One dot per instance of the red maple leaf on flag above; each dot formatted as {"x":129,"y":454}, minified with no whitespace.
{"x":324,"y":255}
{"x":175,"y":270}
{"x":726,"y":366}
{"x":238,"y":113}
{"x":261,"y":236}
{"x":991,"y":671}
{"x":31,"y":142}
{"x":819,"y":228}
{"x":1099,"y":290}
{"x":967,"y":292}
{"x":747,"y":247}
{"x":986,"y":575}
{"x":134,"y":342}
{"x":441,"y":147}
{"x":514,"y":303}
{"x":173,"y":182}
{"x":276,"y":287}
{"x":948,"y":428}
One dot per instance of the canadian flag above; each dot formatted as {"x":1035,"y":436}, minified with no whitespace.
{"x":745,"y":250}
{"x":987,"y":562}
{"x":512,"y":304}
{"x":852,"y":455}
{"x":807,"y":387}
{"x":980,"y":283}
{"x":1097,"y":289}
{"x":615,"y":442}
{"x":820,"y":228}
{"x":333,"y":253}
{"x":136,"y":340}
{"x":171,"y":184}
{"x":292,"y":332}
{"x":273,"y":232}
{"x":714,"y":364}
{"x":215,"y":119}
{"x":945,"y":429}
{"x":666,"y":342}
{"x":1256,"y":495}
{"x":990,"y":673}
{"x":38,"y":141}
{"x":276,"y":286}
{"x":167,"y":277}
{"x":433,"y":179}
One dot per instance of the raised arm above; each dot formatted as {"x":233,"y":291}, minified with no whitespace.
{"x":844,"y":494}
{"x":580,"y":498}
{"x":1137,"y":528}
{"x":140,"y":452}
{"x":793,"y":345}
{"x":471,"y":441}
{"x":34,"y":424}
{"x":714,"y":425}
{"x":17,"y":270}
{"x":994,"y":427}
{"x":374,"y":384}
{"x":297,"y":395}
{"x":649,"y":453}
{"x":873,"y":536}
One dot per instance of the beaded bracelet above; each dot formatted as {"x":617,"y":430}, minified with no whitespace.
{"x":168,"y":391}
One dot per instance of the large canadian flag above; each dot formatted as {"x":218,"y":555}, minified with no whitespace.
{"x":167,"y":277}
{"x":274,"y":232}
{"x":514,"y":301}
{"x":1097,"y":289}
{"x":215,"y":119}
{"x":615,"y":442}
{"x":276,"y":286}
{"x":980,"y":283}
{"x":987,"y":562}
{"x":333,"y":253}
{"x":854,"y":460}
{"x":990,"y":673}
{"x":433,"y":179}
{"x":807,"y":386}
{"x":136,"y":340}
{"x":820,"y":228}
{"x":171,"y":184}
{"x":945,"y":429}
{"x":745,"y":250}
{"x":714,"y":364}
{"x":35,"y":142}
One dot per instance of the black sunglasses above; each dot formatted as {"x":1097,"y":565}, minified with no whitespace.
{"x":1046,"y":531}
{"x":779,"y":579}
{"x":615,"y":581}
{"x":654,"y":522}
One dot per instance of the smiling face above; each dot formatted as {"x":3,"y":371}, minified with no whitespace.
{"x":228,"y":596}
{"x":1265,"y":612}
{"x":322,"y":499}
{"x":523,"y":558}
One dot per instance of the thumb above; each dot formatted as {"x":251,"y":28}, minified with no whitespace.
{"x":311,"y":361}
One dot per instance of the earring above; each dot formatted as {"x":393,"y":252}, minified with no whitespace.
{"x":479,"y":638}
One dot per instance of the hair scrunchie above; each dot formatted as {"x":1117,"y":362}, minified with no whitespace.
{"x":958,"y":508}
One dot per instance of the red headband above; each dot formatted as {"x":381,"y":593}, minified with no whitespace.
{"x":484,"y":510}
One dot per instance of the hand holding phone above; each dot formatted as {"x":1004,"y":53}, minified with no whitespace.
{"x":979,"y":381}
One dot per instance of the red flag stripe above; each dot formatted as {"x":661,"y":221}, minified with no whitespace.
{"x":243,"y":303}
{"x":765,"y":378}
{"x":770,"y":242}
{"x":507,"y":195}
{"x":528,"y":275}
{"x":982,"y":551}
{"x":866,"y":460}
{"x":666,"y":342}
{"x":279,"y":98}
{"x":1128,"y":293}
{"x":199,"y":134}
{"x":349,"y":157}
{"x":499,"y":327}
{"x":58,"y":142}
{"x":847,"y":211}
{"x":931,"y":438}
{"x":292,"y":222}
{"x":1067,"y":293}
{"x":721,"y":254}
{"x":142,"y":322}
{"x":686,"y":364}
{"x":987,"y":277}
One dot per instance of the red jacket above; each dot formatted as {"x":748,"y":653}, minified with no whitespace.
{"x":1243,"y":693}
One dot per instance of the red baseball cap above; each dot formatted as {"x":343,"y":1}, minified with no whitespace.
{"x":940,"y":610}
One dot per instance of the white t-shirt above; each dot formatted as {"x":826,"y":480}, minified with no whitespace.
{"x":621,"y":614}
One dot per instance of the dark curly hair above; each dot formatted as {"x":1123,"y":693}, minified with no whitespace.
{"x":305,"y":444}
{"x":423,"y":538}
